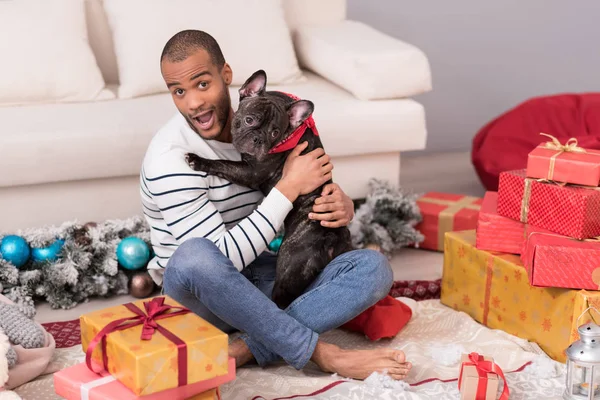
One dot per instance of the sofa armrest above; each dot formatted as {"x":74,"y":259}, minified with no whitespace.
{"x":364,"y":61}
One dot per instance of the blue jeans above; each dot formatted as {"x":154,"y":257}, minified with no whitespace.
{"x":199,"y":276}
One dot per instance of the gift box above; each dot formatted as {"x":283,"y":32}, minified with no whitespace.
{"x":79,"y":383}
{"x":566,"y":163}
{"x":153,"y":345}
{"x":493,"y":288}
{"x":445,"y":212}
{"x":479,"y":378}
{"x":498,"y":233}
{"x":559,"y":261}
{"x":572,"y":211}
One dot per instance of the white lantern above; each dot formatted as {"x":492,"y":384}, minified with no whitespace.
{"x":583,"y":363}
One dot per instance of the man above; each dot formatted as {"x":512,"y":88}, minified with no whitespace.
{"x":210,"y":236}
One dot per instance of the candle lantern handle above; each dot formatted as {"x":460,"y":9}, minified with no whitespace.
{"x":586,"y":310}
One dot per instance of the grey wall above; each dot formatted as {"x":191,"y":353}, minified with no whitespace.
{"x":488,"y":56}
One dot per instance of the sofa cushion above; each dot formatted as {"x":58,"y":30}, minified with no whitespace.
{"x":45,"y":54}
{"x":297,"y":13}
{"x":366,"y":62}
{"x":108,"y":139}
{"x":254,"y":35}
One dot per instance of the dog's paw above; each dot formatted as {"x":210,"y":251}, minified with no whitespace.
{"x":194,"y":161}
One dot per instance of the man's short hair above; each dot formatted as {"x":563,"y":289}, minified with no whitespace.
{"x":184,"y":43}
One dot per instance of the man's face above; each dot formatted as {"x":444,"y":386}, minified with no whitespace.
{"x":200,"y":92}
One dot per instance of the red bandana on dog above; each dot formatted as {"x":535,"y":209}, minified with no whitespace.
{"x":292,"y":140}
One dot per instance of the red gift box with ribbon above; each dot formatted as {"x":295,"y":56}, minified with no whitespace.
{"x":567,"y":210}
{"x":150,"y":345}
{"x":567,"y":163}
{"x":479,"y":378}
{"x":562,"y":262}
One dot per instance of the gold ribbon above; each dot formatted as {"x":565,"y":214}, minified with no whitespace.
{"x":570,"y":146}
{"x":446,"y":216}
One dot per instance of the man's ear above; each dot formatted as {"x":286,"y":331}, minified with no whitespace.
{"x":299,"y":111}
{"x":227,"y":74}
{"x":255,"y":85}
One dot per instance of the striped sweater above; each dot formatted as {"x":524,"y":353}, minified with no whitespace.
{"x":180,"y":203}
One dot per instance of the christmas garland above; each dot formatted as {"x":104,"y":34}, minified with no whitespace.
{"x":71,"y":263}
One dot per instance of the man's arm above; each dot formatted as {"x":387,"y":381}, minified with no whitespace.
{"x":181,"y":194}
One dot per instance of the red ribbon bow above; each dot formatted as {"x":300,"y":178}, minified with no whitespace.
{"x":292,"y":140}
{"x":484,"y":367}
{"x":156,"y":309}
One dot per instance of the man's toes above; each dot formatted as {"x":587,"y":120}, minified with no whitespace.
{"x":397,"y":377}
{"x":398,"y":356}
{"x":398,"y":371}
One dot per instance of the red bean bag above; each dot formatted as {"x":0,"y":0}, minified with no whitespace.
{"x":503,"y":143}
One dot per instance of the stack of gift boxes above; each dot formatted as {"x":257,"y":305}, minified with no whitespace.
{"x":150,"y":349}
{"x":532,"y":265}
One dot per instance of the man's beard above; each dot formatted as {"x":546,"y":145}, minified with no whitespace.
{"x":221,"y":113}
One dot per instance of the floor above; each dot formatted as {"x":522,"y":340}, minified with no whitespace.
{"x":408,"y":264}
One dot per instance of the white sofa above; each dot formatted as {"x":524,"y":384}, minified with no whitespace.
{"x":80,"y":160}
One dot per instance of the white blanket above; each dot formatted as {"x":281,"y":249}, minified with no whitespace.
{"x":432,"y":341}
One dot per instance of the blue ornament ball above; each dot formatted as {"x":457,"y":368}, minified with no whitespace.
{"x":133,"y":253}
{"x":275,"y":244}
{"x":15,"y":250}
{"x":50,"y":253}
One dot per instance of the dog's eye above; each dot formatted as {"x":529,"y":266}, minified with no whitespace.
{"x":274,"y":133}
{"x":249,"y":120}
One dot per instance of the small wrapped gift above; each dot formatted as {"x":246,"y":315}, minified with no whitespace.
{"x":445,"y":212}
{"x":566,"y":163}
{"x":479,"y":378}
{"x":154,"y":345}
{"x":572,"y":211}
{"x":498,"y":233}
{"x":558,"y":261}
{"x":79,"y":383}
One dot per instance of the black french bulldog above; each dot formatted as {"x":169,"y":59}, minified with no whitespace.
{"x":265,"y":119}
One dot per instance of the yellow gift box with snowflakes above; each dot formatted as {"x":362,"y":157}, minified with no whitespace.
{"x":153,"y":345}
{"x":494,"y":289}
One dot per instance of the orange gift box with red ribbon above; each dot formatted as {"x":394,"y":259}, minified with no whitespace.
{"x":151,"y":345}
{"x":567,"y":163}
{"x":479,"y":378}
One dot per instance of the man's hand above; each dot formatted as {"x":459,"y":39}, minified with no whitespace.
{"x":334,"y":208}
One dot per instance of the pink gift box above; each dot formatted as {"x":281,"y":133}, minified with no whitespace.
{"x":79,"y":383}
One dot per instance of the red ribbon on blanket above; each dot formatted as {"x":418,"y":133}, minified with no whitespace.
{"x":484,"y":367}
{"x":292,"y":140}
{"x":156,"y":309}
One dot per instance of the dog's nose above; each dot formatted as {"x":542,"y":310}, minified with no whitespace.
{"x":256,"y":140}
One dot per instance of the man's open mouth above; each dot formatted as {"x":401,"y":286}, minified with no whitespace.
{"x":204,"y":120}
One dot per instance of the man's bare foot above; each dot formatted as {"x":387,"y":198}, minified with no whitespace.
{"x":240,"y":352}
{"x":359,"y":364}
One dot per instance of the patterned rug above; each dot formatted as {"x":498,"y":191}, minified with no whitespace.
{"x":66,"y":333}
{"x":434,"y":330}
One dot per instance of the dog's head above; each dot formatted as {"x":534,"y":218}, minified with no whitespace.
{"x":264,"y":119}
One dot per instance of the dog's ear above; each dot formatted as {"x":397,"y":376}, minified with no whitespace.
{"x":299,"y":111}
{"x":255,"y":85}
